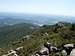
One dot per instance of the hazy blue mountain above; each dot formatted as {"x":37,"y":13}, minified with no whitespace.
{"x":11,"y":21}
{"x":14,"y":18}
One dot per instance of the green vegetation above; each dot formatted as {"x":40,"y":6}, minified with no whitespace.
{"x":8,"y":34}
{"x":58,"y":34}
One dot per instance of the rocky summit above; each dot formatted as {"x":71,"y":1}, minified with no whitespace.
{"x":46,"y":40}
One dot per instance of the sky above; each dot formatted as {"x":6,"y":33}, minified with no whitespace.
{"x":51,"y":7}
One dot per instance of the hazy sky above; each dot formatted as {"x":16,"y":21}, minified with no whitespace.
{"x":57,"y":7}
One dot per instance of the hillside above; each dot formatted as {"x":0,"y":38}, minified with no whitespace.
{"x":14,"y":32}
{"x":58,"y":34}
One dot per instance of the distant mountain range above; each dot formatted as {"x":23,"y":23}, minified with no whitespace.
{"x":12,"y":21}
{"x":11,"y":18}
